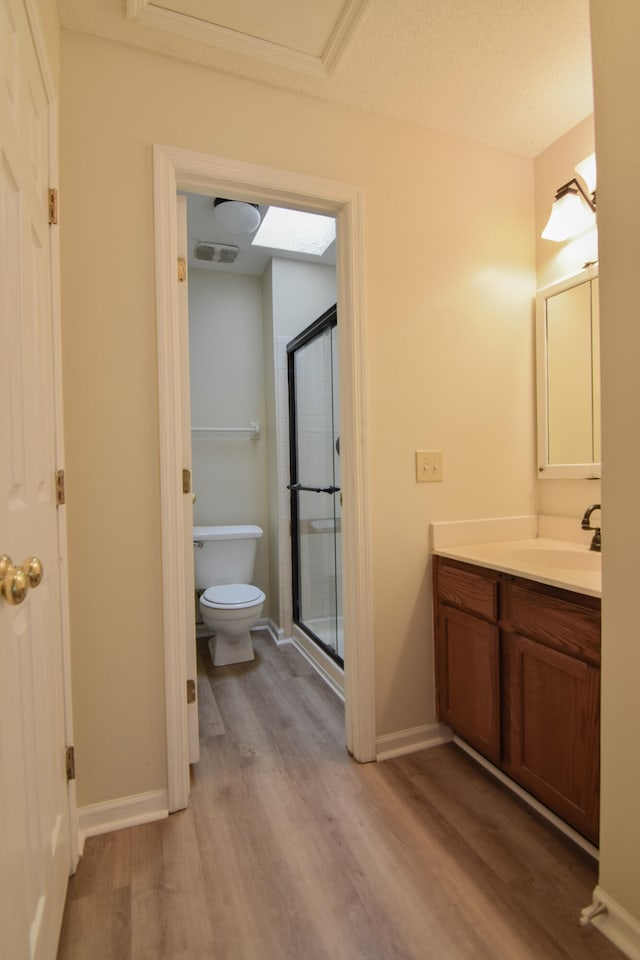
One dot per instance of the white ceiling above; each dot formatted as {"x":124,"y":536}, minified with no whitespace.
{"x":514,"y":74}
{"x":250,"y":260}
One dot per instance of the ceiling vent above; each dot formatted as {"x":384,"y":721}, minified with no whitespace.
{"x":216,"y":252}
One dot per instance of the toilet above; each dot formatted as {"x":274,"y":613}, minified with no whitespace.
{"x":230,"y":605}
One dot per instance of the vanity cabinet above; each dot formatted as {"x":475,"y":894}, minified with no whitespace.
{"x":468,"y":656}
{"x":518,"y":678}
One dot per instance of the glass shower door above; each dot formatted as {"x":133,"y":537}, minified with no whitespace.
{"x":315,"y":484}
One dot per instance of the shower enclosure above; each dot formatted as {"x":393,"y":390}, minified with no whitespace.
{"x":314,"y":444}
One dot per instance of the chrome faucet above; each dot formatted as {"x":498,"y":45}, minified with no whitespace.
{"x":596,"y":540}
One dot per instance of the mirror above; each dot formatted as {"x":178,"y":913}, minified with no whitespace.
{"x":568,"y":367}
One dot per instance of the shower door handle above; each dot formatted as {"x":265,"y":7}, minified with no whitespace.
{"x":299,"y":486}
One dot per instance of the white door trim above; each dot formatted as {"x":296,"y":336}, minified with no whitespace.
{"x":176,"y":169}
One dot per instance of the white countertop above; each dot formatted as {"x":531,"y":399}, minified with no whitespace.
{"x":559,"y":563}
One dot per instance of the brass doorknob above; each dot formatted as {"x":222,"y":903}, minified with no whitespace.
{"x":193,"y":498}
{"x":33,"y":571}
{"x":15,"y":581}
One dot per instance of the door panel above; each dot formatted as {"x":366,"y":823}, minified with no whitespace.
{"x":554,"y":722}
{"x":468,"y":678}
{"x":34,"y":828}
{"x":315,"y":484}
{"x":187,"y":500}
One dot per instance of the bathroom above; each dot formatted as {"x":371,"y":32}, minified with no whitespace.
{"x":235,"y":465}
{"x":241,"y":317}
{"x":449,"y":250}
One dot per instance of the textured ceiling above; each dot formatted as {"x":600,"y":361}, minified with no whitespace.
{"x":515,"y":74}
{"x":303,"y":25}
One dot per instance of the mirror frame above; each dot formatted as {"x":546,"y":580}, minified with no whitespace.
{"x":546,"y":470}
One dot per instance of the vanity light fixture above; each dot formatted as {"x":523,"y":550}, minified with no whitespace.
{"x":587,"y":170}
{"x":572,"y":213}
{"x":573,"y":209}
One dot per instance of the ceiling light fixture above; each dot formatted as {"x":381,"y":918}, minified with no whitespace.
{"x":573,"y":210}
{"x":235,"y":216}
{"x":296,"y":231}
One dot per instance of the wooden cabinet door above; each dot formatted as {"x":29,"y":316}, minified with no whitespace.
{"x":554,"y":729}
{"x":467,"y":650}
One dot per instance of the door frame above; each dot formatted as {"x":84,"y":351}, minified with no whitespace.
{"x":176,"y":169}
{"x":327,"y":321}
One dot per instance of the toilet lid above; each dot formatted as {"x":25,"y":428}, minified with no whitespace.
{"x":232,"y":595}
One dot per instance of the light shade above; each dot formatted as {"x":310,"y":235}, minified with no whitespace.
{"x":235,"y":216}
{"x":571,"y":214}
{"x":587,"y":170}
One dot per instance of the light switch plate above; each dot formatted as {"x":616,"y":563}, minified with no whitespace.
{"x":429,"y":468}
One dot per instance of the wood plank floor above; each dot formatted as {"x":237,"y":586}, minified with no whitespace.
{"x":290,"y":849}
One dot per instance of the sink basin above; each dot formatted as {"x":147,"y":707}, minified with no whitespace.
{"x":560,"y":559}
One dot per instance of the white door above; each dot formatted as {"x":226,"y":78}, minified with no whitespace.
{"x":187,"y":500}
{"x":34,"y":824}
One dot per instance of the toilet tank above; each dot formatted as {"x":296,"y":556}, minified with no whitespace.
{"x":224,"y":554}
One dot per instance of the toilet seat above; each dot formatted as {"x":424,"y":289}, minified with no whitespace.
{"x":232,"y":596}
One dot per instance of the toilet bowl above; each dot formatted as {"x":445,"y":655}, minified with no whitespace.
{"x":230,"y":611}
{"x":229,"y":604}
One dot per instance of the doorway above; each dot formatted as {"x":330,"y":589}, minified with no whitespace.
{"x":179,"y":170}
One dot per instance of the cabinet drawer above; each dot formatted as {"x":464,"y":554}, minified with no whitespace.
{"x":568,"y":626}
{"x":475,"y":590}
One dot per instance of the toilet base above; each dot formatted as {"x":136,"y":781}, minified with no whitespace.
{"x":231,"y":649}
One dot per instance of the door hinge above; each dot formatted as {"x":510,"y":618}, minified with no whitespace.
{"x":182,"y":269}
{"x":186,"y":481}
{"x":60,"y":491}
{"x":71,"y":763}
{"x":53,"y":205}
{"x":191,"y":691}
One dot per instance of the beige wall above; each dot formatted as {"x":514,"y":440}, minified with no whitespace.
{"x":294,"y":294}
{"x":232,"y":327}
{"x":50,"y":25}
{"x":553,"y":167}
{"x":228,"y":390}
{"x":615,"y":29}
{"x":449,"y":256}
{"x":301,"y":293}
{"x":271,"y":425}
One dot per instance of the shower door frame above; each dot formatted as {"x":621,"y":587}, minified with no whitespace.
{"x":327,"y":321}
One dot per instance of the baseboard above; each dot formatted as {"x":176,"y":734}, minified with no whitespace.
{"x":614,"y":922}
{"x":275,"y":632}
{"x":324,"y":666}
{"x":415,"y":738}
{"x":529,"y":799}
{"x":321,"y":663}
{"x":124,"y":812}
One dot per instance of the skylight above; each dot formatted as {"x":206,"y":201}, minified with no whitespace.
{"x":295,"y":231}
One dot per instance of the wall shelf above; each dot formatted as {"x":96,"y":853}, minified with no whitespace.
{"x":253,"y":430}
